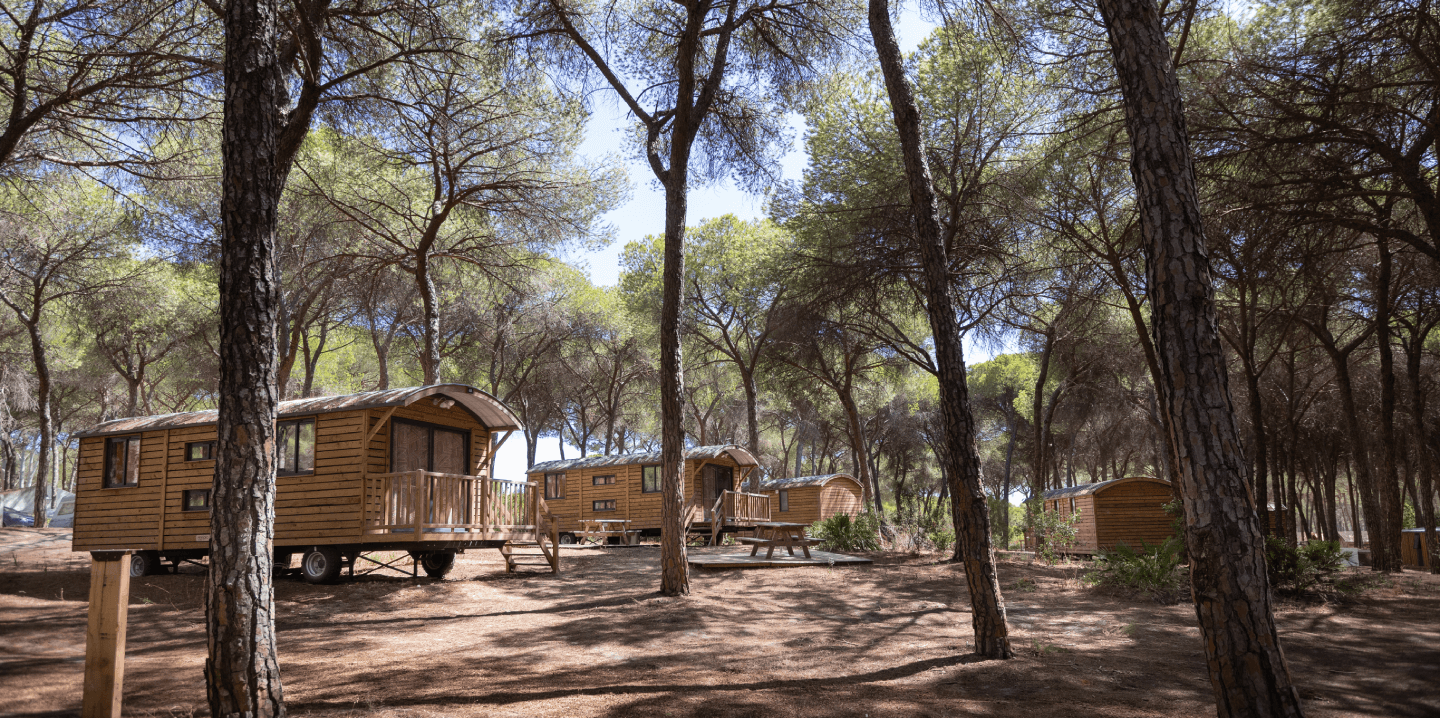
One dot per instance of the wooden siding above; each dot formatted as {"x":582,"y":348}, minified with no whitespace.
{"x":313,"y":508}
{"x":1412,"y":549}
{"x":642,"y":509}
{"x":1133,"y":513}
{"x":809,"y":504}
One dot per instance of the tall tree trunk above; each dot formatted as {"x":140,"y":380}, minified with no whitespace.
{"x":752,"y":422}
{"x":1037,"y":475}
{"x":1423,"y":456}
{"x":859,"y":449}
{"x":1227,"y":551}
{"x":45,"y":452}
{"x":1387,"y":535}
{"x":1258,"y":447}
{"x":674,"y":568}
{"x":1369,"y":501}
{"x":972,"y":514}
{"x":242,"y":674}
{"x":430,"y":356}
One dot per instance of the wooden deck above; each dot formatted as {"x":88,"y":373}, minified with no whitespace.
{"x":745,"y":560}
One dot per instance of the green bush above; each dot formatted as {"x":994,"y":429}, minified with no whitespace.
{"x":1153,"y":569}
{"x":1053,"y":534}
{"x":1297,"y":569}
{"x":843,"y":533}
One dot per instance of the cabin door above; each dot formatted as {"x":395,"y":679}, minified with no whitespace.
{"x":420,"y":447}
{"x":717,"y":479}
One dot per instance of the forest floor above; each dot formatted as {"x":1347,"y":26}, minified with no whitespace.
{"x":889,"y":639}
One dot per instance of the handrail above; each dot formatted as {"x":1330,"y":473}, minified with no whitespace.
{"x":433,"y":501}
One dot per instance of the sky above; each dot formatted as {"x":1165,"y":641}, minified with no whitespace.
{"x":644,"y":214}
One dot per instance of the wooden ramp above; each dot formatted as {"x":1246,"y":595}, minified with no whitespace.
{"x":780,"y":560}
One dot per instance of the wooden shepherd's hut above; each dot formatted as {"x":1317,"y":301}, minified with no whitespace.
{"x":807,"y":499}
{"x":400,"y":469}
{"x":1129,"y":510}
{"x":627,"y":488}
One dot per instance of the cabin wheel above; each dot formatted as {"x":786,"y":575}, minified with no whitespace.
{"x":437,"y":563}
{"x":567,"y":539}
{"x":144,"y":563}
{"x":321,"y":564}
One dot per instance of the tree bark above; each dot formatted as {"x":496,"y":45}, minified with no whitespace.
{"x":1247,"y":669}
{"x":430,"y":356}
{"x":674,"y":565}
{"x":1424,"y":457}
{"x":972,"y":512}
{"x":44,"y":409}
{"x":1387,"y":537}
{"x":241,"y":671}
{"x":752,"y":422}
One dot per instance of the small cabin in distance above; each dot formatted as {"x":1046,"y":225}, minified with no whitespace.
{"x":1129,"y":510}
{"x":807,"y":499}
{"x":398,"y":469}
{"x":627,"y":487}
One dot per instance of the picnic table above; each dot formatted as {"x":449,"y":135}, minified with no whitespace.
{"x":598,"y":530}
{"x":777,"y":534}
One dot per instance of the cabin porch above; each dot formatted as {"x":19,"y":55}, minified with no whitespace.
{"x":435,"y":508}
{"x":732,"y":512}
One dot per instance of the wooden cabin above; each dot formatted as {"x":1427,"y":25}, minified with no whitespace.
{"x":399,"y":469}
{"x":807,"y":499}
{"x":1129,"y":510}
{"x":627,"y":488}
{"x":1412,"y":549}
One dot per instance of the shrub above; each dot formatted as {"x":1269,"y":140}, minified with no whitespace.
{"x":1297,"y":569}
{"x":919,"y":528}
{"x":1153,"y":569}
{"x":1053,"y":534}
{"x":843,"y":533}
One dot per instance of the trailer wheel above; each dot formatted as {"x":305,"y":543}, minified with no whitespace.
{"x":437,"y":563}
{"x":567,"y":539}
{"x":144,"y":563}
{"x":321,"y":564}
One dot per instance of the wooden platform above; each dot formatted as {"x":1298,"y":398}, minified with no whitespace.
{"x":781,"y":560}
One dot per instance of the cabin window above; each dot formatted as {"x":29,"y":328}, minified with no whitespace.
{"x":784,"y":499}
{"x":295,"y":447}
{"x":606,"y":505}
{"x":195,"y":500}
{"x":1072,"y":506}
{"x":122,"y":461}
{"x":602,"y":480}
{"x":200,"y":451}
{"x":417,"y":446}
{"x":650,"y":479}
{"x":555,"y":486}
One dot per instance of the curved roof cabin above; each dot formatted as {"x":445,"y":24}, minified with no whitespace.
{"x":1129,"y":510}
{"x":807,"y":499}
{"x":376,"y":470}
{"x":627,"y":487}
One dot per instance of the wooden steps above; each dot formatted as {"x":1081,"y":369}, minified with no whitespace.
{"x":545,"y":551}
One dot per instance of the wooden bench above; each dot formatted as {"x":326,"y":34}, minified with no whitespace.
{"x":772,"y":543}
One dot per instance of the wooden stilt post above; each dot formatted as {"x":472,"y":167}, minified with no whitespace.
{"x":105,"y":638}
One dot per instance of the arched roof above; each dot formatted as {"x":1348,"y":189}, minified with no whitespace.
{"x":486,"y":409}
{"x":738,"y":454}
{"x":797,"y":481}
{"x":1088,"y":489}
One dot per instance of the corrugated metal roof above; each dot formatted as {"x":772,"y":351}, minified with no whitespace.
{"x":1087,"y":489}
{"x":490,"y":411}
{"x":795,"y":481}
{"x":739,"y":454}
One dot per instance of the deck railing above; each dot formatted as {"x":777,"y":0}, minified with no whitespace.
{"x":430,"y":502}
{"x":742,"y":507}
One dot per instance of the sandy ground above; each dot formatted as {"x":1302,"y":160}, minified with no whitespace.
{"x":891,"y":639}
